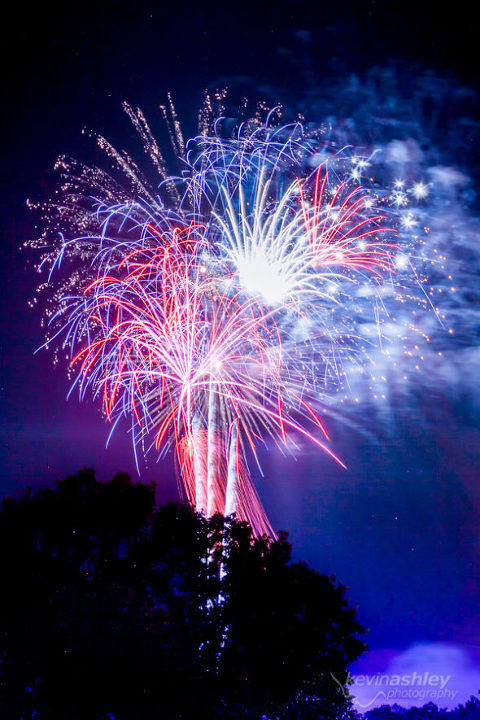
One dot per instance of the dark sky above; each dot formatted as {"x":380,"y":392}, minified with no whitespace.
{"x":400,"y":527}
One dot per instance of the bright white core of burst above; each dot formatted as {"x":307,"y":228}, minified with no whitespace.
{"x":260,"y":276}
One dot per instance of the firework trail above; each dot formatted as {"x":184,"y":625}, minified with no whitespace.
{"x":168,"y":347}
{"x":225,"y":308}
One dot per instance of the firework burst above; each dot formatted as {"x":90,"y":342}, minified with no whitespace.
{"x":218,"y":311}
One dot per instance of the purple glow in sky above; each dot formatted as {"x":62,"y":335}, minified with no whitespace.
{"x":442,"y":673}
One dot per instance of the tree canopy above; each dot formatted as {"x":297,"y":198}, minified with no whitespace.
{"x":112,"y":608}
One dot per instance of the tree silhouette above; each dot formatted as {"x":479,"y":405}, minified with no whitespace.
{"x":112,"y":609}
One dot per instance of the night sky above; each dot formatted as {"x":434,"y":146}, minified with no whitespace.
{"x":400,"y":526}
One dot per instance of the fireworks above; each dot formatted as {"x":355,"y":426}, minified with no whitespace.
{"x":219,"y":312}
